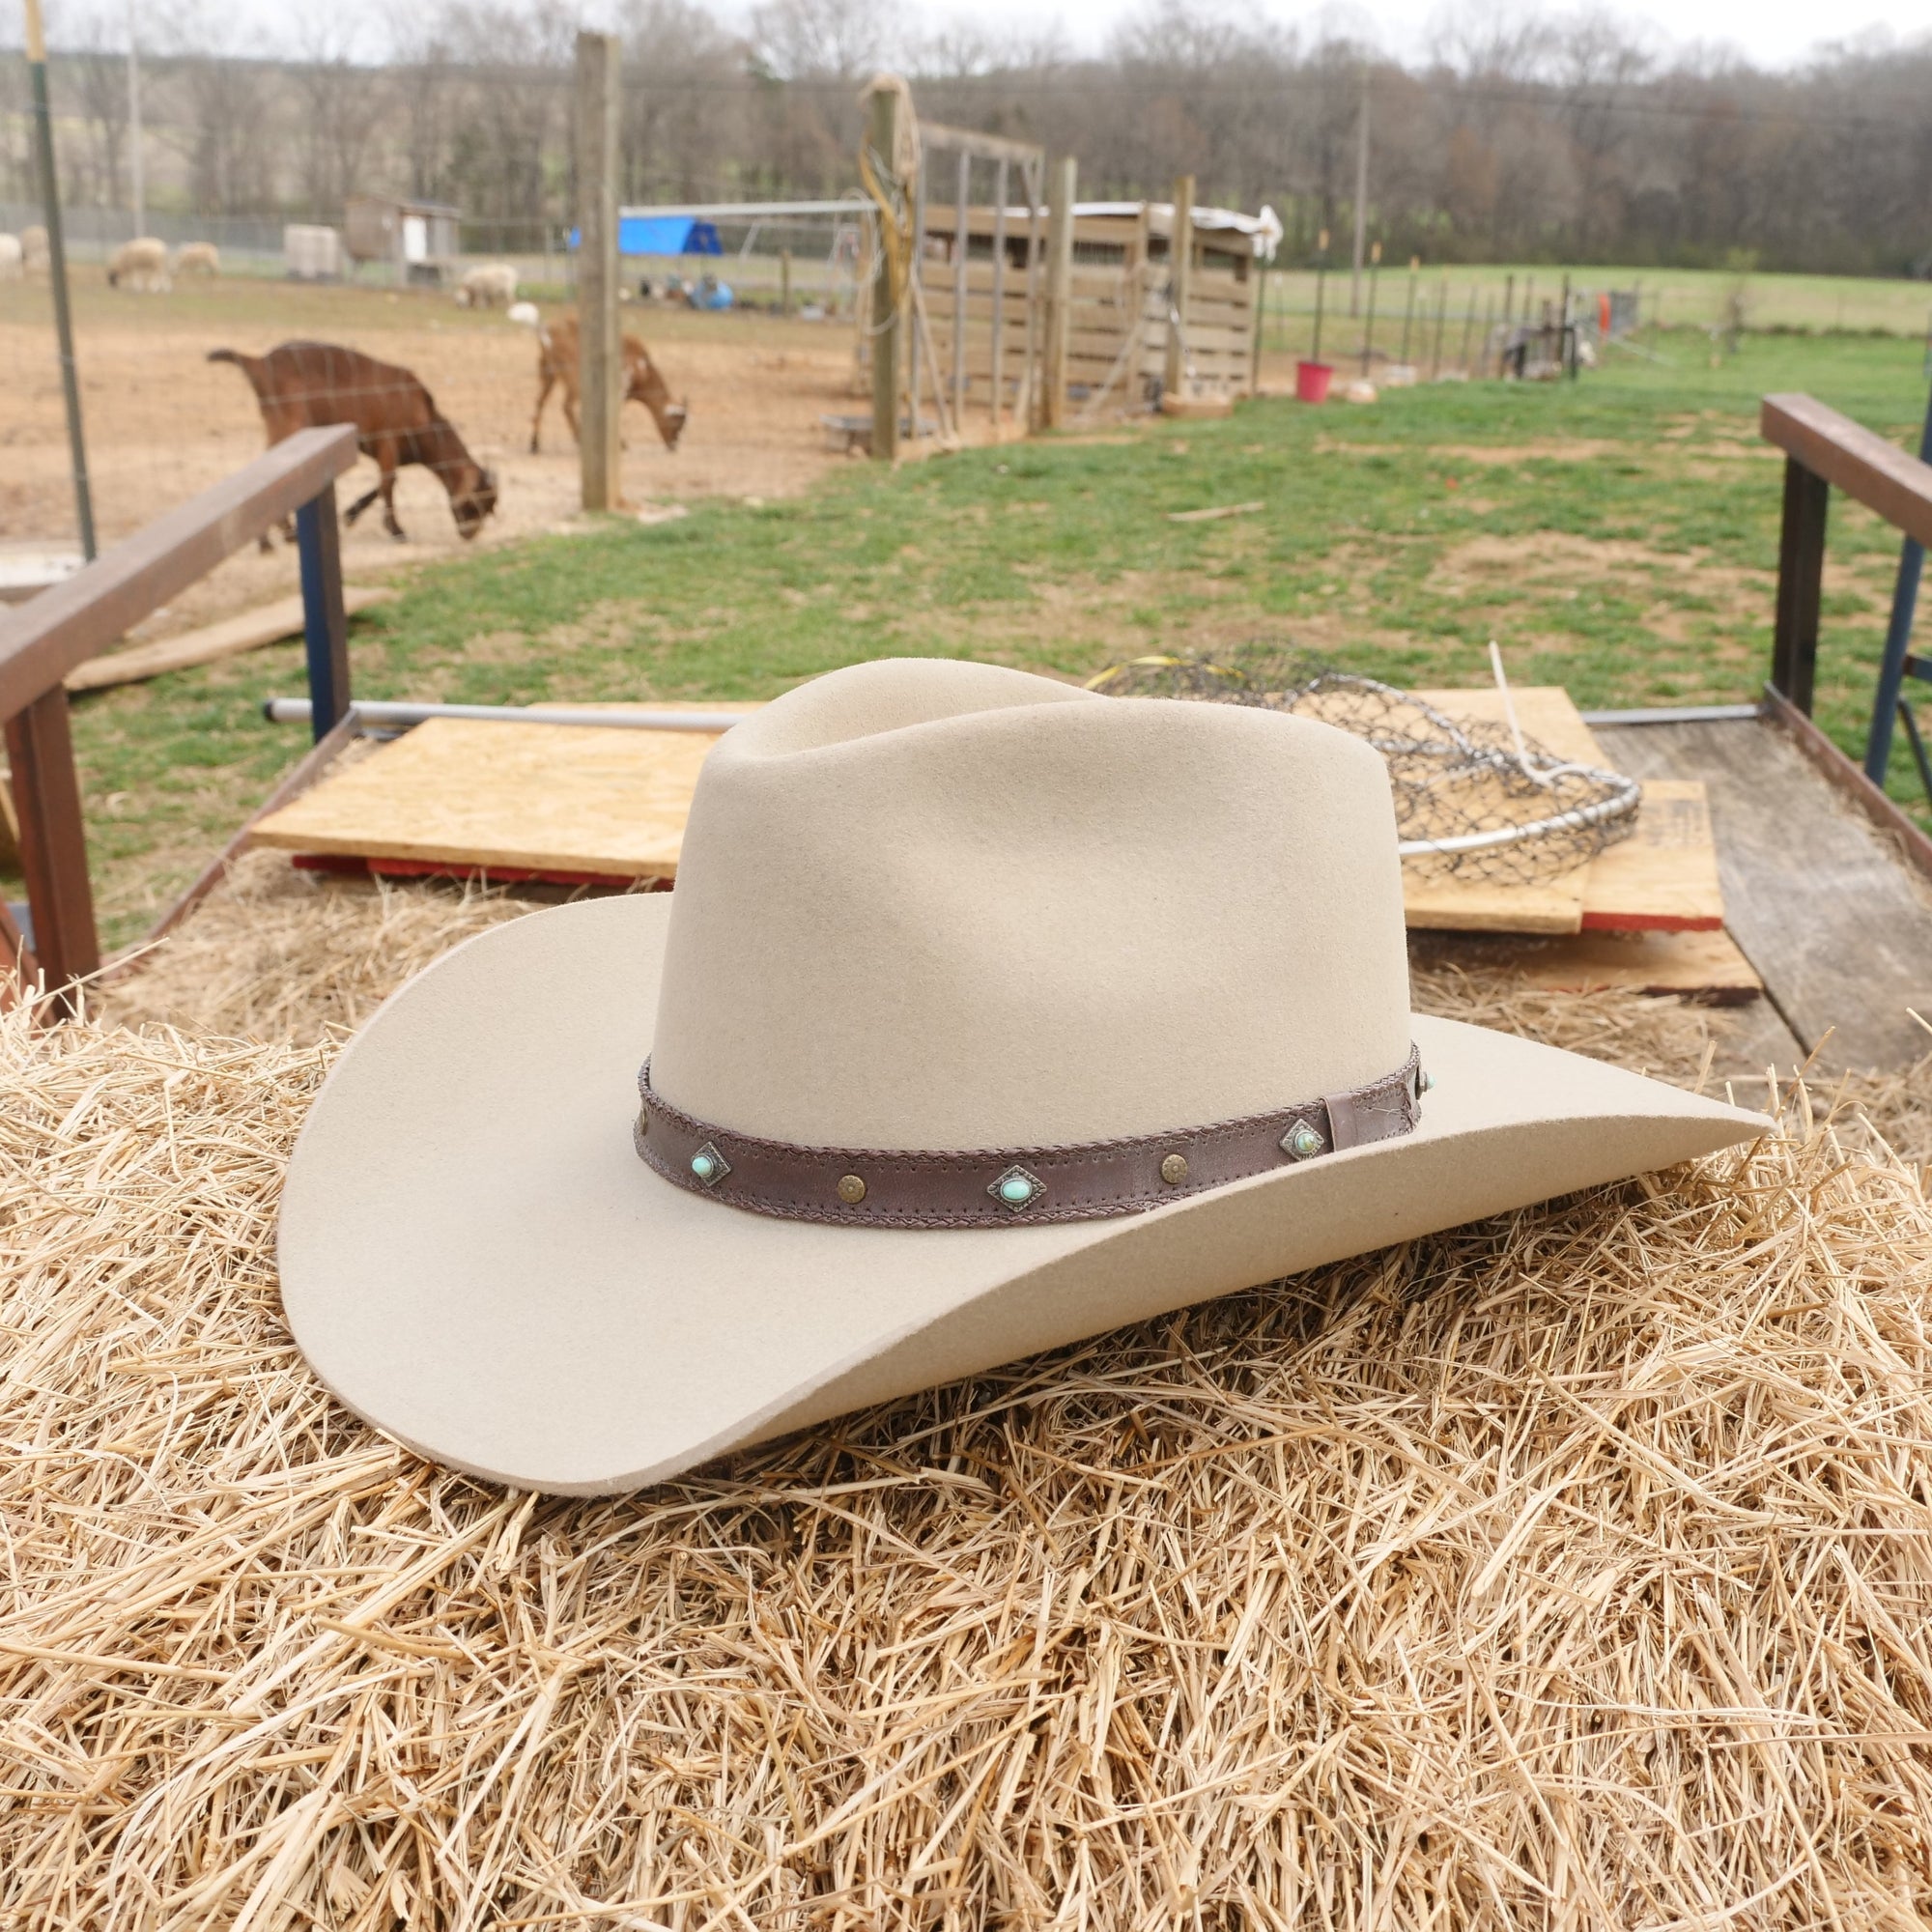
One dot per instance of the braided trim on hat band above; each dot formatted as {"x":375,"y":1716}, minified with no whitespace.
{"x":1005,"y":1187}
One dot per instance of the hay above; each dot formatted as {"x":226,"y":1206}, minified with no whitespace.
{"x":277,"y":954}
{"x":1569,"y":1568}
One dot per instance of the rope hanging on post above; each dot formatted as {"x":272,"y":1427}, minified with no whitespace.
{"x":891,"y":181}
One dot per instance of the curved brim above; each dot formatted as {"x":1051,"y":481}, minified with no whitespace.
{"x":476,"y":1261}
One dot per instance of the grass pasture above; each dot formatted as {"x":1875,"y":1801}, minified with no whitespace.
{"x":1617,"y":535}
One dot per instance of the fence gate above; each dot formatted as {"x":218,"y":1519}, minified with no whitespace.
{"x":974,"y":341}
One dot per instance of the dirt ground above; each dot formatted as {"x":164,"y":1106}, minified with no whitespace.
{"x":163,"y":422}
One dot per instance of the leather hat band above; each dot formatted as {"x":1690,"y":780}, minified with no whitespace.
{"x":1004,"y":1187}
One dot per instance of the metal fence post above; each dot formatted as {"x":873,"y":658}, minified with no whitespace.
{"x":1897,"y":641}
{"x":325,"y":621}
{"x":599,"y":69}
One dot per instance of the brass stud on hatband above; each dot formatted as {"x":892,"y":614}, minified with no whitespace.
{"x":851,"y":1190}
{"x":1174,"y":1169}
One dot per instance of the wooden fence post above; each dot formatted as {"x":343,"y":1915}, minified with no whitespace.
{"x":53,"y":843}
{"x":1801,"y":574}
{"x":1059,"y":291}
{"x":325,"y":621}
{"x":887,"y":315}
{"x":599,"y":71}
{"x":1179,"y":285}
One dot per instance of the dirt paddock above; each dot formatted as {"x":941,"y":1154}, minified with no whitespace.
{"x":163,"y":422}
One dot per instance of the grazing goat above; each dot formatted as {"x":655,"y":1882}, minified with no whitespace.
{"x":303,"y":384}
{"x":558,"y":363}
{"x":491,"y":285}
{"x":12,"y":258}
{"x":142,"y":264}
{"x":198,"y":258}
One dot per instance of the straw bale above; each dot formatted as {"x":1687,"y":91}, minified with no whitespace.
{"x":278,"y":953}
{"x":1571,"y":1569}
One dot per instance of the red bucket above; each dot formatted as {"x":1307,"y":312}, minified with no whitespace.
{"x":1311,"y":382}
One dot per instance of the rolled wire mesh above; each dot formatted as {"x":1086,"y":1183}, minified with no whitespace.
{"x":1472,"y":798}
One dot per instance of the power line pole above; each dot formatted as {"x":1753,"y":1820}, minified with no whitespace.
{"x":1361,"y":194}
{"x":140,"y":178}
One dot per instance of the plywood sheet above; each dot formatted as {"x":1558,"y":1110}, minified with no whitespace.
{"x":536,"y":798}
{"x":1449,"y":903}
{"x":1664,"y":877}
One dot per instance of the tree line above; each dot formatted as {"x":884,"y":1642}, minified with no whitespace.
{"x":1524,"y":136}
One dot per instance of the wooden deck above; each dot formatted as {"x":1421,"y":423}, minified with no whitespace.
{"x":1838,"y":926}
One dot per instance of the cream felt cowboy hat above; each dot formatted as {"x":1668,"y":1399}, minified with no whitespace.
{"x":987,"y":1014}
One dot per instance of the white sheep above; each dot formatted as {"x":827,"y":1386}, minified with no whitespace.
{"x":10,"y":258}
{"x":489,"y":285}
{"x":198,"y":258}
{"x":525,"y":315}
{"x":142,"y":264}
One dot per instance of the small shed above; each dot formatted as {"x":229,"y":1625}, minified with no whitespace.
{"x":1117,"y":344}
{"x":419,"y":238}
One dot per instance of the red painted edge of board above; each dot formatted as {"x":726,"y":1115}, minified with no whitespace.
{"x":506,"y":875}
{"x":1636,"y":922}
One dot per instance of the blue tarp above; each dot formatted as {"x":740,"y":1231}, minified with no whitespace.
{"x":662,"y":235}
{"x":666,"y":235}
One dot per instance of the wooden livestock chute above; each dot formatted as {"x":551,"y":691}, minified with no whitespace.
{"x":1124,"y":308}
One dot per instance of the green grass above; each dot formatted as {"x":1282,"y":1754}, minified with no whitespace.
{"x":1678,"y":300}
{"x":1617,"y":535}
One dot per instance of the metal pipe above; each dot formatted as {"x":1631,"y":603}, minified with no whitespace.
{"x":385,"y":716}
{"x":1686,"y":714}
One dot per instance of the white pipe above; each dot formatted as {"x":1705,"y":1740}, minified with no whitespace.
{"x":397,"y":716}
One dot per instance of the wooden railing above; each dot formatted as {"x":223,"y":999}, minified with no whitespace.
{"x":1823,"y":450}
{"x":45,"y":637}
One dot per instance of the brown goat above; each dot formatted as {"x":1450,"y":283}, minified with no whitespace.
{"x":558,"y":363}
{"x":304,"y":384}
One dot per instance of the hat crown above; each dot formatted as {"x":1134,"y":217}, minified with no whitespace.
{"x":930,"y":904}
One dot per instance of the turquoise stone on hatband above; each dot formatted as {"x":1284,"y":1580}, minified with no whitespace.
{"x":1301,"y":1140}
{"x":709,"y":1165}
{"x":1017,"y":1190}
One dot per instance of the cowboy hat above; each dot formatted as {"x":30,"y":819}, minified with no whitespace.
{"x":987,"y":1014}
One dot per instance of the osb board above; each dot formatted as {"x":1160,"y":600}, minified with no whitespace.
{"x":471,"y":794}
{"x":1664,"y":877}
{"x":1705,"y":965}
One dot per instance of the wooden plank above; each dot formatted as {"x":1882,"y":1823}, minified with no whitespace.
{"x":1664,"y":877}
{"x":1857,"y":460}
{"x":53,"y":842}
{"x":1839,"y":929}
{"x":540,"y":798}
{"x":47,"y":637}
{"x":1851,"y":780}
{"x":987,"y":147}
{"x":268,"y":624}
{"x":1708,"y":966}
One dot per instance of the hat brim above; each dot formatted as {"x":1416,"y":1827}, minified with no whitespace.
{"x":476,"y":1261}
